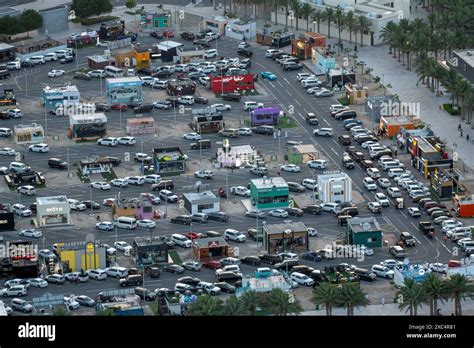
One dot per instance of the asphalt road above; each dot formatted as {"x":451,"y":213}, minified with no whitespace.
{"x":285,"y":91}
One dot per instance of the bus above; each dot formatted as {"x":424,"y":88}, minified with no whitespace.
{"x":113,"y":71}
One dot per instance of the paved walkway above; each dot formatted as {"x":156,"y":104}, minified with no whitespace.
{"x":404,"y":83}
{"x":392,"y":309}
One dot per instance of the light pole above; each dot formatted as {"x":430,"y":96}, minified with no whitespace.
{"x":92,"y":208}
{"x":143,"y":161}
{"x":120,"y":115}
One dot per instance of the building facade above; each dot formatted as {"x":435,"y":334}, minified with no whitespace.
{"x":292,"y":237}
{"x":335,"y":187}
{"x":124,"y":90}
{"x":364,"y":231}
{"x":53,"y":211}
{"x":269,"y":193}
{"x":201,"y":202}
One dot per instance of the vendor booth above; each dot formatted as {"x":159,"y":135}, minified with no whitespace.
{"x":190,"y":53}
{"x":323,"y":60}
{"x":269,"y":193}
{"x":236,"y":156}
{"x":81,"y":256}
{"x":234,"y":83}
{"x":207,"y":124}
{"x":87,"y":126}
{"x":365,"y":231}
{"x":148,"y":251}
{"x":390,"y":125}
{"x":181,"y":87}
{"x":335,"y":187}
{"x":339,"y":77}
{"x":302,"y":47}
{"x":28,"y":133}
{"x":60,"y":95}
{"x":52,"y":211}
{"x":201,"y":202}
{"x":265,"y":116}
{"x":124,"y":90}
{"x":217,"y":24}
{"x":301,"y":154}
{"x":141,"y":125}
{"x":169,"y":161}
{"x":241,"y":29}
{"x":95,"y":165}
{"x":205,"y":249}
{"x":289,"y":237}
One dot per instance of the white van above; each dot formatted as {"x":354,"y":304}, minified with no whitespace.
{"x":181,"y":240}
{"x":16,"y":65}
{"x":113,"y":71}
{"x":117,"y":272}
{"x":186,"y":99}
{"x":5,"y":132}
{"x":127,"y":223}
{"x":37,"y":60}
{"x":310,"y":184}
{"x":49,"y":57}
{"x":393,"y":172}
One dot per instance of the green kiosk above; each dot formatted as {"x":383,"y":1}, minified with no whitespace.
{"x":269,"y":193}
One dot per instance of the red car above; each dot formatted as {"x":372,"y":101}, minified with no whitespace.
{"x":193,"y":235}
{"x":168,"y":33}
{"x":118,"y":107}
{"x":108,"y":202}
{"x":212,"y":264}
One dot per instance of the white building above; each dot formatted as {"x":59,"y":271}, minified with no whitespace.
{"x":378,"y":12}
{"x":335,"y":187}
{"x":54,"y":97}
{"x":53,"y":211}
{"x":203,"y":202}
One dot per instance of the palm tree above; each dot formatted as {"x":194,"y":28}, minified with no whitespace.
{"x":296,"y":6}
{"x":435,"y":289}
{"x":458,"y":287}
{"x":352,"y":296}
{"x":307,"y":11}
{"x":234,"y":306}
{"x":437,"y":72}
{"x":339,"y":19}
{"x":451,"y":81}
{"x":422,"y":68}
{"x":362,"y":24}
{"x":327,"y":295}
{"x":350,"y":23}
{"x":251,"y":301}
{"x":206,"y":305}
{"x":278,"y":302}
{"x":468,"y":105}
{"x":412,"y":296}
{"x":317,"y":17}
{"x":328,"y":17}
{"x":388,"y":34}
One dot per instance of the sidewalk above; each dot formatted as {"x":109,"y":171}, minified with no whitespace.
{"x":392,"y":309}
{"x":404,"y":83}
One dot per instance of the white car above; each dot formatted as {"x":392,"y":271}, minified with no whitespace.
{"x":244,"y":131}
{"x":21,"y":210}
{"x":251,"y":105}
{"x":97,"y":73}
{"x":74,"y":204}
{"x":119,"y":183}
{"x":382,"y":199}
{"x":278,"y":213}
{"x":369,"y":184}
{"x":414,"y":212}
{"x":290,"y":168}
{"x":212,"y":53}
{"x":234,"y":235}
{"x":330,"y":207}
{"x":210,"y":288}
{"x":123,"y":246}
{"x":42,"y":148}
{"x":325,"y":132}
{"x":152,"y":179}
{"x":56,"y":73}
{"x":146,"y":223}
{"x":104,"y":226}
{"x":192,"y":136}
{"x":7,"y":151}
{"x":439,"y":267}
{"x":71,"y":303}
{"x":204,"y":174}
{"x":240,"y":191}
{"x":221,"y":107}
{"x":27,"y":190}
{"x":449,"y":225}
{"x":38,"y":283}
{"x":383,"y":183}
{"x":302,"y":279}
{"x":101,"y":185}
{"x":317,"y":164}
{"x":31,"y":233}
{"x":382,"y":271}
{"x":366,"y":144}
{"x":97,"y":274}
{"x":374,"y":207}
{"x":303,"y":76}
{"x":16,"y":281}
{"x":243,"y":44}
{"x":151,"y":198}
{"x":110,"y":141}
{"x":394,"y":192}
{"x":126,"y":140}
{"x":324,"y":93}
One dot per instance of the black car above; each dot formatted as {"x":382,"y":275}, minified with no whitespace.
{"x":34,"y":208}
{"x":182,"y":220}
{"x":153,"y":271}
{"x":295,"y":187}
{"x":173,"y":268}
{"x":244,"y":52}
{"x":145,"y":294}
{"x":143,"y":108}
{"x":67,"y":59}
{"x":157,"y":35}
{"x":313,"y":209}
{"x":302,"y":269}
{"x":200,"y":144}
{"x":407,"y":239}
{"x":225,"y":287}
{"x":295,"y":211}
{"x":251,"y":260}
{"x":231,"y":96}
{"x":196,"y":75}
{"x":270,"y":258}
{"x":344,"y":139}
{"x":146,"y":72}
{"x":218,"y":216}
{"x":255,"y":234}
{"x":187,"y":36}
{"x":202,"y":42}
{"x":286,"y":265}
{"x":189,"y":280}
{"x":57,"y":163}
{"x":311,"y":256}
{"x":201,"y":100}
{"x":364,"y":274}
{"x":229,"y":277}
{"x":135,"y":279}
{"x":81,"y":76}
{"x":162,"y":73}
{"x":89,"y":204}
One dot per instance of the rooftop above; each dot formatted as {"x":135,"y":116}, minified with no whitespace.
{"x":166,"y":45}
{"x":201,"y":196}
{"x":98,"y":58}
{"x":425,"y":145}
{"x":309,"y":148}
{"x":144,"y":241}
{"x":124,"y":79}
{"x":397,"y":120}
{"x":281,"y":228}
{"x":333,"y":176}
{"x":66,"y":88}
{"x":51,"y":200}
{"x":42,"y":5}
{"x":269,"y":183}
{"x":92,"y":118}
{"x":359,"y":224}
{"x":6,"y":47}
{"x":206,"y":242}
{"x":467,"y":56}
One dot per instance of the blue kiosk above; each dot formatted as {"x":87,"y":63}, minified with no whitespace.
{"x":124,"y":90}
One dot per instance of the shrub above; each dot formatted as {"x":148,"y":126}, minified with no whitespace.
{"x":90,"y":21}
{"x":450,"y":110}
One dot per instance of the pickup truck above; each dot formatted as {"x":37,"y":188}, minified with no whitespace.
{"x":427,"y":228}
